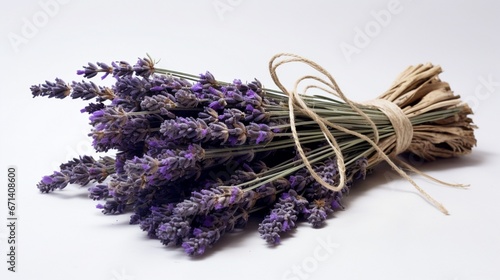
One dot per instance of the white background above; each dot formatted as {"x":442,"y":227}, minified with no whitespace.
{"x":387,"y":230}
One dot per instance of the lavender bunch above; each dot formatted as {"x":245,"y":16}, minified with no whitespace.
{"x":195,"y":157}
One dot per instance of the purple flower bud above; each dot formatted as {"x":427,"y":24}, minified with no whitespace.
{"x":88,"y":71}
{"x":190,"y":129}
{"x":58,"y":180}
{"x":105,"y":68}
{"x":186,"y":99}
{"x":99,"y":192}
{"x":208,"y":78}
{"x":158,"y":215}
{"x":218,"y":104}
{"x":84,"y":90}
{"x":197,"y":87}
{"x":156,"y":102}
{"x":282,"y":217}
{"x":91,"y":70}
{"x":59,"y":89}
{"x":112,"y":207}
{"x":47,"y":180}
{"x":92,"y":107}
{"x":144,"y":67}
{"x":259,"y":133}
{"x":235,"y":193}
{"x":122,"y":68}
{"x":173,"y":231}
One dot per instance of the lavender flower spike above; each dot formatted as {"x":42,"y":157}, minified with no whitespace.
{"x":91,"y":70}
{"x":59,"y":89}
{"x":122,"y":68}
{"x":144,"y":67}
{"x":88,"y":90}
{"x":282,"y":217}
{"x":204,"y":201}
{"x":171,"y":166}
{"x":58,"y":180}
{"x":259,"y":133}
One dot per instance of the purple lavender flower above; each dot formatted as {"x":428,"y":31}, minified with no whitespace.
{"x":299,"y":181}
{"x":328,"y":171}
{"x":187,"y":129}
{"x":132,"y":88}
{"x":196,"y":130}
{"x":122,"y":68}
{"x":58,"y":180}
{"x":101,"y":169}
{"x":206,"y":200}
{"x":362,"y":165}
{"x":173,"y":231}
{"x":219,"y":132}
{"x":92,"y":107}
{"x":148,"y":196}
{"x":155,"y":145}
{"x":166,"y":84}
{"x":208,"y":79}
{"x":324,"y":201}
{"x":158,"y":215}
{"x":144,"y":67}
{"x":58,"y":89}
{"x":114,"y":128}
{"x":259,"y":133}
{"x":172,"y":165}
{"x":37,"y":90}
{"x":91,"y":70}
{"x":317,"y":213}
{"x":69,"y":165}
{"x":99,"y":192}
{"x":88,"y":71}
{"x":258,"y":115}
{"x":218,"y":104}
{"x":156,"y":102}
{"x":202,"y":239}
{"x":231,"y":116}
{"x":282,"y":217}
{"x":77,"y":171}
{"x":88,"y":90}
{"x":80,"y":175}
{"x":108,"y":116}
{"x":84,"y":90}
{"x":197,"y":87}
{"x":122,"y":191}
{"x":186,"y":98}
{"x":209,"y":115}
{"x":112,"y":207}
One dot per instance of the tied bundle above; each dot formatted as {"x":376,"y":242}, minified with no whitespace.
{"x":194,"y":157}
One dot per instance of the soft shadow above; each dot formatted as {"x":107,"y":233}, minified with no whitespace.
{"x":378,"y":176}
{"x":476,"y":158}
{"x":74,"y":192}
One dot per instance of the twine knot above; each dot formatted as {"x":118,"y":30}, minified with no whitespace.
{"x":403,"y":128}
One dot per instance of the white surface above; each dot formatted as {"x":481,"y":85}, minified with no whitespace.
{"x":387,"y":230}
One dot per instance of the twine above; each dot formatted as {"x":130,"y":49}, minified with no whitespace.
{"x":402,"y":126}
{"x":400,"y":122}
